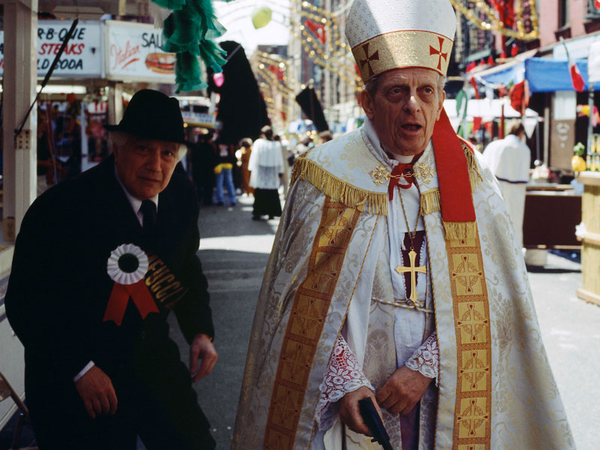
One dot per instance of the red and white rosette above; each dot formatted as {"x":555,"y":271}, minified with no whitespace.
{"x":127,"y":266}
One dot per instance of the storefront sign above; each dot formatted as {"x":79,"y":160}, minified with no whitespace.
{"x":82,"y":55}
{"x":133,"y":53}
{"x":199,"y":119}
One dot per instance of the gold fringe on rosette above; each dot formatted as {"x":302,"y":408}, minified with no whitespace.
{"x":338,"y":189}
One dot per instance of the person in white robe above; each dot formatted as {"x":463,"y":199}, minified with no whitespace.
{"x":509,"y":160}
{"x":266,"y":170}
{"x":395,"y":275}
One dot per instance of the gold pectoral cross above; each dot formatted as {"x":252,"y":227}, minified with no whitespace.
{"x":413,"y":269}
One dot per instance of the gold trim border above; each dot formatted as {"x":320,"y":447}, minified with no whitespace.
{"x":338,"y":189}
{"x":473,"y":408}
{"x":305,"y":323}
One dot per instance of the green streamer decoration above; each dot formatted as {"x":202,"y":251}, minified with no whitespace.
{"x":189,"y":32}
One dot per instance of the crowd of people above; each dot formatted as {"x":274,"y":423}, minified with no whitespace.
{"x":258,"y":169}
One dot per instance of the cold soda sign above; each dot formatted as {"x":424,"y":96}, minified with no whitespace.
{"x":82,"y":56}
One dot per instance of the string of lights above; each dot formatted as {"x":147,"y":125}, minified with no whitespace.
{"x":289,"y":85}
{"x":494,"y":24}
{"x":315,"y":49}
{"x":341,"y":66}
{"x":325,"y":63}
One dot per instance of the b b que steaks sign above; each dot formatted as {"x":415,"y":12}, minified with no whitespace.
{"x":82,"y":56}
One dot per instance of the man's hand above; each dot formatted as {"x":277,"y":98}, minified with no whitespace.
{"x":97,"y":392}
{"x":350,"y":412}
{"x":403,"y":390}
{"x":202,"y":348}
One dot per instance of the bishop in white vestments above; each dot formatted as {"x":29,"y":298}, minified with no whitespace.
{"x":396,"y":275}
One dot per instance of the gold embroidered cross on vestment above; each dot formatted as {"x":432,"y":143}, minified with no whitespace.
{"x":423,"y":173}
{"x":381,"y":174}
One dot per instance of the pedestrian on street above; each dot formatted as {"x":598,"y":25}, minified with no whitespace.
{"x":244,"y":158}
{"x":99,"y":263}
{"x":266,"y":170}
{"x":224,"y":174}
{"x":204,"y":160}
{"x":395,"y":276}
{"x":509,"y":160}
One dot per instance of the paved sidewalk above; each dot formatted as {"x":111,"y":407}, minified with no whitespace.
{"x":571,"y":333}
{"x":234,"y":251}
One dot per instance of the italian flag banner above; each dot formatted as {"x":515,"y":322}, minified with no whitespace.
{"x":576,"y":77}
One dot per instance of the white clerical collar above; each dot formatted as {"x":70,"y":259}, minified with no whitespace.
{"x":134,"y":202}
{"x":381,"y":150}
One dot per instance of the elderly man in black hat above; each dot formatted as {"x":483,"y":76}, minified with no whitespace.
{"x":99,"y":263}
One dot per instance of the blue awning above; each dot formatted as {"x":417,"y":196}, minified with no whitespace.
{"x":543,"y":74}
{"x":549,"y":75}
{"x":503,"y":74}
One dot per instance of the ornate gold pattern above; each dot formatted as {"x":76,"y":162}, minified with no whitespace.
{"x":307,"y":316}
{"x":339,"y":190}
{"x":381,"y":175}
{"x":424,"y":173}
{"x":472,"y":421}
{"x":475,"y":176}
{"x":406,"y":48}
{"x":418,"y":305}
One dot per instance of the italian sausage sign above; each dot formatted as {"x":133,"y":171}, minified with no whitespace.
{"x":133,"y":53}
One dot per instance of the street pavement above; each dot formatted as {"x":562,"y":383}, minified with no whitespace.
{"x":234,"y":251}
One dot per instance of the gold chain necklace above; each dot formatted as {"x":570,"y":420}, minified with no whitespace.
{"x":411,"y":234}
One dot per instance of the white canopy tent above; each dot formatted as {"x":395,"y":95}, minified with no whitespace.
{"x":490,"y":109}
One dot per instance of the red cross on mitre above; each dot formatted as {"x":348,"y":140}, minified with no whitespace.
{"x":367,"y":61}
{"x":434,"y":51}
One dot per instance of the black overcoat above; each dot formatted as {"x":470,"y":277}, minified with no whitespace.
{"x":59,"y":287}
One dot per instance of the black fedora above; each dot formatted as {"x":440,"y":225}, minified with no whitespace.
{"x":152,"y":115}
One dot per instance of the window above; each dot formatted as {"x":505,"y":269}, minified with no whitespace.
{"x":592,"y":11}
{"x":563,"y":14}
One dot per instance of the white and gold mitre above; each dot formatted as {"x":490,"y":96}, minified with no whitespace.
{"x":393,"y":34}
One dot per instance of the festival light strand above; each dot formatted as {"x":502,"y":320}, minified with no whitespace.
{"x":496,"y":25}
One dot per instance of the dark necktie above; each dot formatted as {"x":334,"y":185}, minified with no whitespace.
{"x":148,"y":209}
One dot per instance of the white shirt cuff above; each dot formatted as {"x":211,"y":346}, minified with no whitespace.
{"x":83,"y":371}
